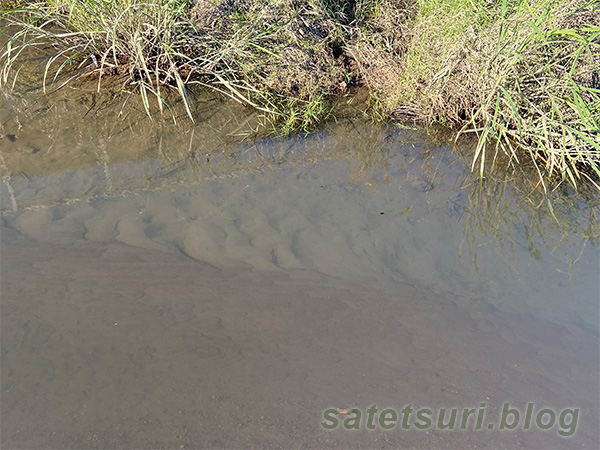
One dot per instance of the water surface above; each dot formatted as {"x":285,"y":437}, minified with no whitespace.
{"x":178,"y":285}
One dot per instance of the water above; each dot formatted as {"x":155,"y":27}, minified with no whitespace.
{"x":179,"y":286}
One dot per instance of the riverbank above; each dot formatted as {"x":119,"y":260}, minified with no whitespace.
{"x":522,"y":75}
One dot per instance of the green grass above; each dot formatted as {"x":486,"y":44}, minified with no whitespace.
{"x":520,"y":74}
{"x":536,"y":102}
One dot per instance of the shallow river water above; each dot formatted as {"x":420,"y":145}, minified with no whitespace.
{"x":179,"y":286}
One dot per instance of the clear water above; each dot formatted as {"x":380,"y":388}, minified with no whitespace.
{"x":179,"y":286}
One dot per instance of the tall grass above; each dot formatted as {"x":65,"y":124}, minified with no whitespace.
{"x":544,"y":98}
{"x":523,"y":75}
{"x":125,"y":38}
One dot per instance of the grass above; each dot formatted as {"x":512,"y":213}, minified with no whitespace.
{"x":128,"y":39}
{"x":544,"y":98}
{"x":522,"y":75}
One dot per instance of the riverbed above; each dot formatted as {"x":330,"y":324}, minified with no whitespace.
{"x":168,"y":284}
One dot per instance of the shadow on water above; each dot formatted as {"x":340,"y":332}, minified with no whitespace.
{"x":174,"y":284}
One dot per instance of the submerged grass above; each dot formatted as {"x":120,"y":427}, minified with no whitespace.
{"x":523,"y":75}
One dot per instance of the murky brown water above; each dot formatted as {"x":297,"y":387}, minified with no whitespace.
{"x":176,"y":286}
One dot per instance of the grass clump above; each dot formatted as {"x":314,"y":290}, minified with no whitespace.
{"x":130,"y":39}
{"x":523,"y":75}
